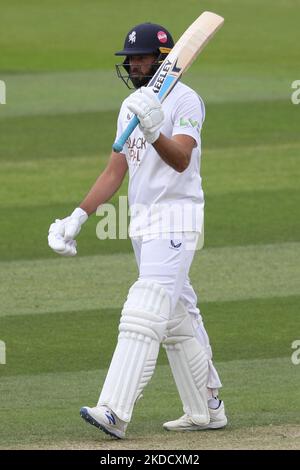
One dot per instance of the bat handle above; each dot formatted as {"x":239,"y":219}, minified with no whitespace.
{"x":119,"y":144}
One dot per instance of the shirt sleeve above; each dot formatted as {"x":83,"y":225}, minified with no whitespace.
{"x":188,"y":116}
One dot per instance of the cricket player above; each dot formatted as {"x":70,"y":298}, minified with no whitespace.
{"x":166,"y":205}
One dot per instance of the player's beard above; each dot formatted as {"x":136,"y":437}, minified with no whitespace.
{"x":138,"y":79}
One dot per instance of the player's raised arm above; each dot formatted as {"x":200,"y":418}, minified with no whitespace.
{"x":177,"y":151}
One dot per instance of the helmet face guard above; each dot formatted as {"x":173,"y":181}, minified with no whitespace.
{"x":133,"y":82}
{"x":144,"y":39}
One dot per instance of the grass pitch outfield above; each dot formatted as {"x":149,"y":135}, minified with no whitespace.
{"x":59,"y":317}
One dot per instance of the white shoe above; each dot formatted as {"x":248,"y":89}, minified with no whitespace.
{"x":218,"y":420}
{"x":103,"y":418}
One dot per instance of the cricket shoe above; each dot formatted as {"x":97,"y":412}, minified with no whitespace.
{"x":103,"y":418}
{"x":218,"y":420}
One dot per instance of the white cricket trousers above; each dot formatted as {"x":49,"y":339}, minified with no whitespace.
{"x":167,"y":259}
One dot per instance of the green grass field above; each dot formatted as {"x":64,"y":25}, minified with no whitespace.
{"x":59,"y":317}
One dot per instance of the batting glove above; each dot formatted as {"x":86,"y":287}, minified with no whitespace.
{"x":147,"y":107}
{"x":62,"y":233}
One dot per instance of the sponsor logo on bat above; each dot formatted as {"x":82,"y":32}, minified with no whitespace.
{"x":163,"y":73}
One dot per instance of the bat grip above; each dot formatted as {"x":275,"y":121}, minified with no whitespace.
{"x":119,"y":144}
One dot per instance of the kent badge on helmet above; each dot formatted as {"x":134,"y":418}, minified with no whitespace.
{"x":144,"y":39}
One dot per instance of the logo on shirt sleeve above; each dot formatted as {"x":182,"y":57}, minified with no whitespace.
{"x":189,"y":123}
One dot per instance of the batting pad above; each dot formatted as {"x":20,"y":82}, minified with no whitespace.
{"x":143,"y":324}
{"x":189,"y":364}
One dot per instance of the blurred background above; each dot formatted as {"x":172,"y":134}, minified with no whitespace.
{"x":59,"y":317}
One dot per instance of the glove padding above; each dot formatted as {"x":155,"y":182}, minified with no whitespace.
{"x":63,"y":231}
{"x":147,"y":107}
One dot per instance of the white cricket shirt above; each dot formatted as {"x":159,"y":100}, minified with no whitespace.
{"x":161,"y":200}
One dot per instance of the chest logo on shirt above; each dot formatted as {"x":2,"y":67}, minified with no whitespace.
{"x":135,"y":148}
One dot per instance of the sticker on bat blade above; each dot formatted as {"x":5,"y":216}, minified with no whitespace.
{"x":162,"y":78}
{"x":167,"y":86}
{"x":175,"y":68}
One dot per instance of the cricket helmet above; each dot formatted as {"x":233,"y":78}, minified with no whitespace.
{"x":144,"y":39}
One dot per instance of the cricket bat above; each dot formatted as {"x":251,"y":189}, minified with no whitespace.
{"x":182,"y":55}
